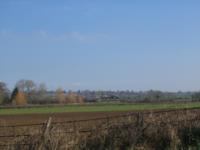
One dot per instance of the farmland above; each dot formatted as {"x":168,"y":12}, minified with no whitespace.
{"x":155,"y":129}
{"x":40,"y":114}
{"x":81,"y":126}
{"x":102,"y":107}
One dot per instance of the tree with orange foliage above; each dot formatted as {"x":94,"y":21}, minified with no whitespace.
{"x":74,"y":98}
{"x":71,"y":98}
{"x":80,"y":99}
{"x":18,"y":97}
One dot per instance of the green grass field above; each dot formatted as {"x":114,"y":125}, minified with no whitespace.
{"x":98,"y":108}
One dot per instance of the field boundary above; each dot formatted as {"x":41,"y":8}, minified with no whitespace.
{"x":139,"y":116}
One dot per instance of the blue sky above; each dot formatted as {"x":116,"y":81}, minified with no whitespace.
{"x":101,"y":45}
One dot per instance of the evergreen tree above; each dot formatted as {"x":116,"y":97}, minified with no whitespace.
{"x":14,"y":94}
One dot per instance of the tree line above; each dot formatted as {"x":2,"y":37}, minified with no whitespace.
{"x":28,"y":92}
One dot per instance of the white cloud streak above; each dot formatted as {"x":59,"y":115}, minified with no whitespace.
{"x":65,"y":36}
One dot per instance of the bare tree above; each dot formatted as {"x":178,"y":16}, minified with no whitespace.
{"x":60,"y":95}
{"x":4,"y":93}
{"x":42,"y":87}
{"x":28,"y":87}
{"x":41,"y":94}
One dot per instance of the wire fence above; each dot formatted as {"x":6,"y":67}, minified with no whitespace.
{"x":10,"y":135}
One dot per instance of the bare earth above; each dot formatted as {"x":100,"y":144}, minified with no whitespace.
{"x":57,"y":117}
{"x":70,"y":116}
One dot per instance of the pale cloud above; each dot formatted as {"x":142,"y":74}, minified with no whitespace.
{"x":77,"y":84}
{"x":89,"y":38}
{"x":79,"y":36}
{"x":75,"y":36}
{"x":43,"y":34}
{"x":63,"y":37}
{"x":4,"y":32}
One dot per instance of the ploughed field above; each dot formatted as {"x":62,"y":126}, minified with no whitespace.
{"x":32,"y":115}
{"x":56,"y":117}
{"x":86,"y":126}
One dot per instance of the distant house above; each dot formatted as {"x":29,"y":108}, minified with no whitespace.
{"x":108,"y":97}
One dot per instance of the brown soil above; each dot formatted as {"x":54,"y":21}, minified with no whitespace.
{"x":57,"y":117}
{"x":68,"y":116}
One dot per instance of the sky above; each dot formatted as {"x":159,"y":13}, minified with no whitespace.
{"x":101,"y":45}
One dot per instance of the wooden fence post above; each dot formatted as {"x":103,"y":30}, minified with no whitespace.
{"x":130,"y":117}
{"x":48,"y":126}
{"x":45,"y":134}
{"x":108,"y":121}
{"x":140,"y":120}
{"x":137,"y":119}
